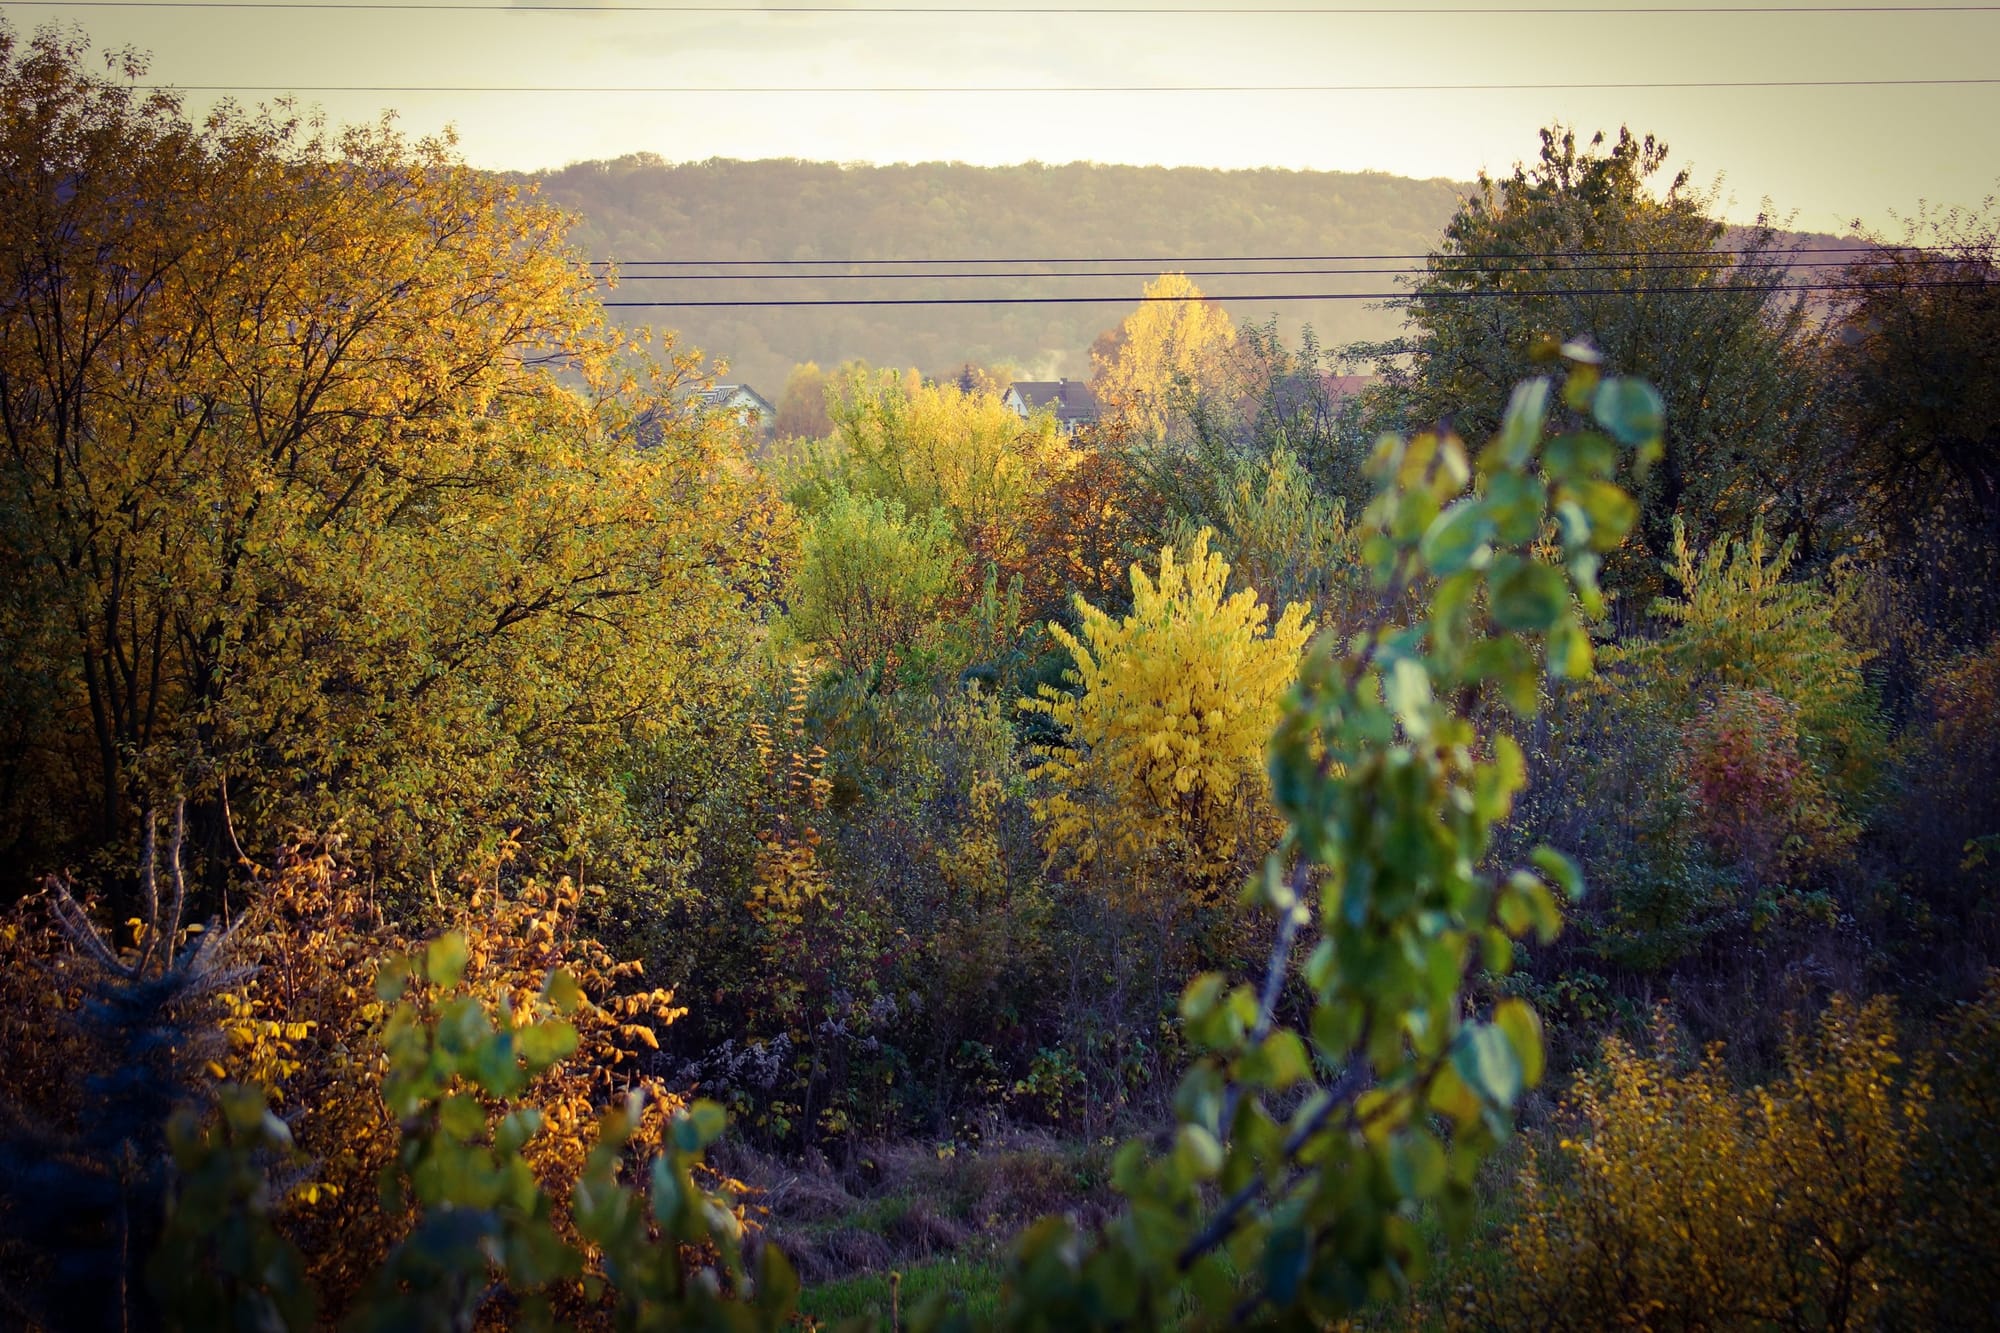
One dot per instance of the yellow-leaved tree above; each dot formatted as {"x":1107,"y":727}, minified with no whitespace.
{"x":941,"y":446}
{"x":1177,"y":348}
{"x":1160,"y":773}
{"x":329,"y":494}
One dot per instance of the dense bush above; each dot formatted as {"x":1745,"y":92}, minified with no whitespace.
{"x":873,"y":585}
{"x":1157,"y":783}
{"x":1849,"y":1192}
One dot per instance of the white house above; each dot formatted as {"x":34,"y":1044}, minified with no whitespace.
{"x":1071,"y":400}
{"x":750,"y":406}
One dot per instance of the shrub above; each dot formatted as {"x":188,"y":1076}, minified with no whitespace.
{"x":1951,"y":774}
{"x":1951,"y":1251}
{"x":1738,"y":624}
{"x":931,"y":446}
{"x":871,"y":584}
{"x":1085,"y":529}
{"x":308,"y":1029}
{"x":1160,"y":772}
{"x":479,"y":1239}
{"x":1677,"y":1201}
{"x":1610,"y":782}
{"x":1285,"y":541}
{"x":1762,"y":805}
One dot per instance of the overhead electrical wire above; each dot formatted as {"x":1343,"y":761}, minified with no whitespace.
{"x":1776,"y":267}
{"x":1152,"y":11}
{"x":1174,"y":261}
{"x":959,"y":90}
{"x":1485,"y":294}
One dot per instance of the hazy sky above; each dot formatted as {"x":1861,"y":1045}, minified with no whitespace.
{"x":1825,"y":155}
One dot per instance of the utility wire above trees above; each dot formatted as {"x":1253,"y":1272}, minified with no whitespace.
{"x":1453,"y":295}
{"x":957,"y":90}
{"x":1379,"y":11}
{"x":1478,"y":270}
{"x":1158,"y":263}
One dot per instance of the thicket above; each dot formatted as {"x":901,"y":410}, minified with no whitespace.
{"x":447,"y":775}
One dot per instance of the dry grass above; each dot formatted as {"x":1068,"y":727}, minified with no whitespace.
{"x":895,"y":1204}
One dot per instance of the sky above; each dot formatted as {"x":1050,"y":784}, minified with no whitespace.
{"x":1819,"y":157}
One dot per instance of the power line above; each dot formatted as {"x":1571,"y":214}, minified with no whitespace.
{"x":1457,"y":11}
{"x":1267,"y":296}
{"x":600,"y":90}
{"x":1173,"y":262}
{"x":1778,"y":270}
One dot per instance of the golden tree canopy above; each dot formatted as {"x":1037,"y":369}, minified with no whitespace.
{"x":1176,"y":348}
{"x":326,"y":484}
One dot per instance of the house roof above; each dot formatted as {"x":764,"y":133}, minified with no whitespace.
{"x":725,"y":395}
{"x":1070,"y":400}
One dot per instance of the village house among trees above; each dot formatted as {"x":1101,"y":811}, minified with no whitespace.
{"x":1070,"y":401}
{"x":750,"y":407}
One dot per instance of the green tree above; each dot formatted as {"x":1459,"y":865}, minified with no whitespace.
{"x":1285,"y":539}
{"x":1921,"y":383}
{"x":872,"y":583}
{"x":1578,"y":244}
{"x":1919,"y":395}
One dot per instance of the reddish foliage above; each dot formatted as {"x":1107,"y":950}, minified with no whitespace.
{"x":1763,"y":804}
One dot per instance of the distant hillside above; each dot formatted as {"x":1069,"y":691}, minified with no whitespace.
{"x":640,"y":207}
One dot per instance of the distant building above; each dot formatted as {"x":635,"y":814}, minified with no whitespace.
{"x":1347,"y":386}
{"x":750,"y":406}
{"x":1071,"y":400}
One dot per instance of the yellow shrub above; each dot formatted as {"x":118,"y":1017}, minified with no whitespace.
{"x":1683,"y":1203}
{"x":789,"y":877}
{"x":930,"y":446}
{"x":1162,"y":768}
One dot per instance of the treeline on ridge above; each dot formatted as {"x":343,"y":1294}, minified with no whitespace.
{"x":641,"y":207}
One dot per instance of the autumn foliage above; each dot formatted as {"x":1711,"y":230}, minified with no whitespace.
{"x":321,"y":493}
{"x":1678,"y":1200}
{"x":1763,"y":806}
{"x":1160,"y":772}
{"x":447,"y":776}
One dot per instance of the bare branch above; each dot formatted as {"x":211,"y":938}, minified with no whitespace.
{"x":1281,"y":952}
{"x":75,"y":923}
{"x":1274,"y":975}
{"x":173,"y":927}
{"x":149,"y":880}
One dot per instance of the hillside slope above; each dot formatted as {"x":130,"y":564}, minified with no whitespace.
{"x":639,"y":208}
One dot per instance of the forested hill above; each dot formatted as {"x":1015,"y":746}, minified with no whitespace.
{"x":638,"y":208}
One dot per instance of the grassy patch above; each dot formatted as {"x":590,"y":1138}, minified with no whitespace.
{"x":973,"y":1286}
